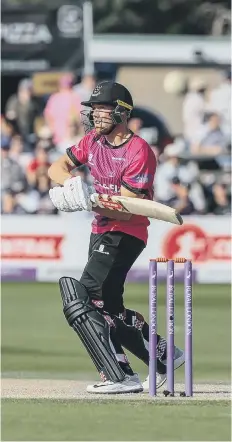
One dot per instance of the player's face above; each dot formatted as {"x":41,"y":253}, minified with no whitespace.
{"x":102,"y":118}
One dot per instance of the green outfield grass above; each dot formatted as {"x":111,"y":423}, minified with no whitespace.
{"x":68,"y":421}
{"x":38,"y":343}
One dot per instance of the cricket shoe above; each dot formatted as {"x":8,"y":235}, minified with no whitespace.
{"x":131,"y":384}
{"x":179,"y":360}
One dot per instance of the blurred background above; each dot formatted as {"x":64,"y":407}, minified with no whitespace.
{"x":174,"y":56}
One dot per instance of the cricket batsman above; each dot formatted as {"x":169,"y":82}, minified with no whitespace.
{"x":121,"y":163}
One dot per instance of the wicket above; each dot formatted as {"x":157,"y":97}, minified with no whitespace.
{"x":170,"y":321}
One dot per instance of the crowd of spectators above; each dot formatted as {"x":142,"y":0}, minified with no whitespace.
{"x":32,"y":137}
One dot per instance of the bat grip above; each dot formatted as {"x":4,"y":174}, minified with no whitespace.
{"x":93,"y":200}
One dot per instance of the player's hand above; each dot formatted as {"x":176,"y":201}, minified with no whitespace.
{"x":77,"y":193}
{"x":59,"y":201}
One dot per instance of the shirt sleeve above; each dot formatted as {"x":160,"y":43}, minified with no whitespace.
{"x":140,"y":173}
{"x":79,"y":152}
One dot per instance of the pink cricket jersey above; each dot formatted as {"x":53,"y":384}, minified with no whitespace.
{"x":131,"y":165}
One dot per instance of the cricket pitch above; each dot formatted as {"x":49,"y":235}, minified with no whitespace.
{"x":66,"y":389}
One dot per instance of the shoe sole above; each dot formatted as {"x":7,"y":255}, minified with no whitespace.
{"x":140,"y":390}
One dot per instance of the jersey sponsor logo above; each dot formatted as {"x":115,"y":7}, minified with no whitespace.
{"x":118,"y":159}
{"x":112,"y":187}
{"x":142,"y":178}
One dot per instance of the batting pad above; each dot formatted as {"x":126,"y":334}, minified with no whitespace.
{"x":91,"y":327}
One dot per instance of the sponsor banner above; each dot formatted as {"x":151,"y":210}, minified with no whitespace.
{"x":58,"y":246}
{"x":40,"y":38}
{"x":17,"y":274}
{"x":36,"y":247}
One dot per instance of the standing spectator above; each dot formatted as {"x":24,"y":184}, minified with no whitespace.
{"x":63,"y":107}
{"x":193,"y":108}
{"x":209,"y":139}
{"x":220,"y":102}
{"x":135,"y":125}
{"x":22,"y":110}
{"x":85,"y":87}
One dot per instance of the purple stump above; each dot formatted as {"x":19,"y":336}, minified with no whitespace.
{"x":188,"y":329}
{"x":152,"y":326}
{"x":170,"y":326}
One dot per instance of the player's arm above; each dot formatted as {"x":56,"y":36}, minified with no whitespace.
{"x":114,"y":213}
{"x":75,"y":156}
{"x":60,"y":170}
{"x":130,"y":193}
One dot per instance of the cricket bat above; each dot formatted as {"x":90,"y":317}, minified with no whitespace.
{"x":137,"y":206}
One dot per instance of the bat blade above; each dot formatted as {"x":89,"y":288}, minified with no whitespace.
{"x":138,"y":206}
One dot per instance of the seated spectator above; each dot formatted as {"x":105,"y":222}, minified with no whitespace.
{"x":16,"y":152}
{"x":12,"y":175}
{"x":73,"y":136}
{"x":10,"y":204}
{"x":219,"y":199}
{"x":43,"y":184}
{"x":62,"y":108}
{"x":22,"y":110}
{"x":210,"y":139}
{"x":39,"y":165}
{"x":6,"y":131}
{"x":45,"y":140}
{"x":181,"y":200}
{"x":36,"y":200}
{"x":167,"y":170}
{"x":172,"y":167}
{"x":193,"y":108}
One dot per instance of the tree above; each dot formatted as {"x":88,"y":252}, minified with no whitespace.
{"x":162,"y":16}
{"x":190,"y":17}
